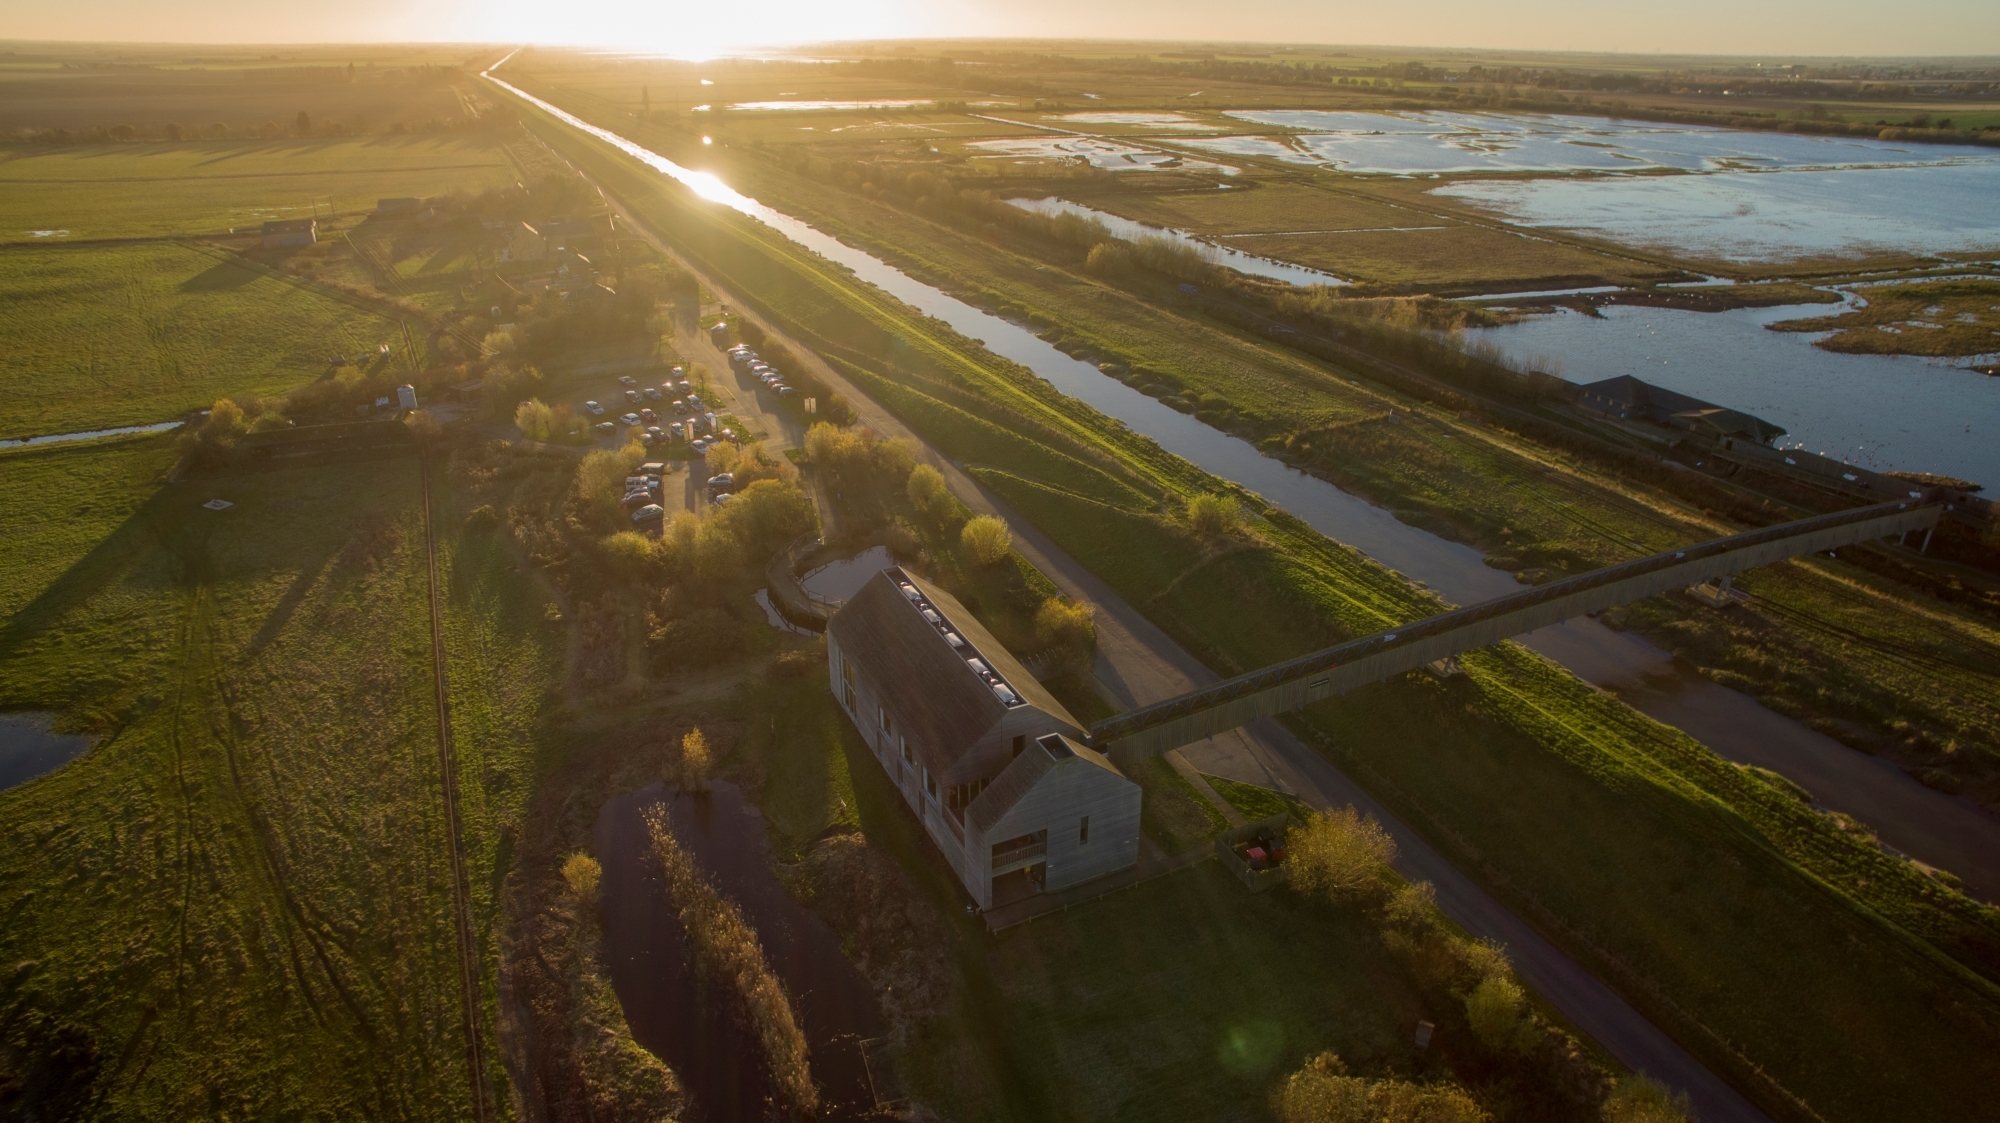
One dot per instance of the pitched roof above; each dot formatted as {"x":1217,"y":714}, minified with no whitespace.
{"x":931,"y":686}
{"x":1046,"y":755}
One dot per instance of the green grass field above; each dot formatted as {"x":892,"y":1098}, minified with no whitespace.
{"x":1863,"y":936}
{"x":126,"y":335}
{"x":236,"y":901}
{"x":207,"y":187}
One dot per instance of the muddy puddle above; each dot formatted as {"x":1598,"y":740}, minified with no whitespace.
{"x":29,"y":747}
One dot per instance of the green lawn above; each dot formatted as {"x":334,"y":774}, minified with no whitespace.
{"x":207,"y":187}
{"x":126,"y":335}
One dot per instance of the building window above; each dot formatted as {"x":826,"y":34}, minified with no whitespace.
{"x":887,"y":725}
{"x":908,"y":756}
{"x":930,"y":785}
{"x":847,"y":684}
{"x":1083,"y":831}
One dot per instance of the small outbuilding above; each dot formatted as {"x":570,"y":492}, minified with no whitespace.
{"x":989,"y":761}
{"x":1630,"y":399}
{"x":290,"y":232}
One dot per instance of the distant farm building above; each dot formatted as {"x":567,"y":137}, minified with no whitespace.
{"x":992,"y":765}
{"x":290,"y":232}
{"x":1629,"y":399}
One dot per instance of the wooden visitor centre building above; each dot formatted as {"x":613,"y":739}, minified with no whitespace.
{"x":991,"y":764}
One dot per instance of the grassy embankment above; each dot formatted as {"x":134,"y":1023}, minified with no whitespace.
{"x":236,"y":902}
{"x":206,"y":187}
{"x":1908,"y":673}
{"x":127,"y":335}
{"x":1944,"y":319}
{"x":1642,"y":805}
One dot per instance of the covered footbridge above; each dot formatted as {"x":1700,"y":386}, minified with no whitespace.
{"x":1335,"y":670}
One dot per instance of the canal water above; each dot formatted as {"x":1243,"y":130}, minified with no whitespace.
{"x":30,"y":746}
{"x":687,"y":1021}
{"x":1884,"y":412}
{"x":1952,"y":834}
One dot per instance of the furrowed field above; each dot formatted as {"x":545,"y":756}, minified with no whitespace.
{"x":128,"y":335}
{"x":1864,"y":931}
{"x":150,"y":189}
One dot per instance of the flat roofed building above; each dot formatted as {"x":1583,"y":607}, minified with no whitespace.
{"x":1630,"y":399}
{"x":989,"y":761}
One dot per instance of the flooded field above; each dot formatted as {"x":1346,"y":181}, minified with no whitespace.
{"x":1417,"y":143}
{"x":1777,"y":216}
{"x":29,"y":747}
{"x":879,"y":103}
{"x":1886,"y":412}
{"x":673,"y":1012}
{"x":1221,"y":255}
{"x":1159,"y":122}
{"x":1108,"y":155}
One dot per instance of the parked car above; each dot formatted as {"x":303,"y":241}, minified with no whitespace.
{"x":724,"y":498}
{"x":648,"y":416}
{"x":677,"y":430}
{"x":655,"y":433}
{"x":592,"y":408}
{"x":627,"y":380}
{"x":788,"y":391}
{"x":680,"y":405}
{"x":632,"y":397}
{"x":652,"y":392}
{"x":629,"y":419}
{"x":700,"y":446}
{"x":605,"y":427}
{"x":653,"y":468}
{"x":651,"y":512}
{"x":722,"y":483}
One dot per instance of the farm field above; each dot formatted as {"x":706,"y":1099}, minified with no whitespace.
{"x":236,"y":901}
{"x":62,"y":502}
{"x":127,"y":335}
{"x":1623,"y":767}
{"x":154,"y":188}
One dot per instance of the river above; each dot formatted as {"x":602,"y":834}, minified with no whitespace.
{"x":1942,"y":830}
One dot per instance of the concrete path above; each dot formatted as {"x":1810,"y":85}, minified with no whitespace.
{"x":1138,"y":663}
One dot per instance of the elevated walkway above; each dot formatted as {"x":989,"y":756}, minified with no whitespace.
{"x":1299,"y":682}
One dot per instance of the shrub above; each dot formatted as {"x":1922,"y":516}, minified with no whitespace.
{"x":1066,"y":624}
{"x":1641,"y":1099}
{"x":212,"y":440}
{"x":1340,"y":855}
{"x":582,"y":873}
{"x":727,"y":953}
{"x":1496,"y":1009}
{"x":424,"y":426}
{"x":631,"y":552}
{"x":482,"y":518}
{"x":1323,"y":1092}
{"x":986,"y":539}
{"x":1214,"y":516}
{"x":600,"y":479}
{"x":1414,"y":905}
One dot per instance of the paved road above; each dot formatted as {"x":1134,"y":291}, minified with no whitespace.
{"x":1137,"y":664}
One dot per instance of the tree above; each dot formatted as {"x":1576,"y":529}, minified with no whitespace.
{"x":1496,"y":1009}
{"x":925,"y":483}
{"x":582,"y":873}
{"x":211,"y":441}
{"x":1066,"y":624}
{"x":696,"y":761}
{"x":1214,"y":516}
{"x":1339,"y":855}
{"x":424,"y":426}
{"x":1323,"y":1092}
{"x":1641,"y":1099}
{"x":987,"y":539}
{"x":305,"y":124}
{"x":631,"y":552}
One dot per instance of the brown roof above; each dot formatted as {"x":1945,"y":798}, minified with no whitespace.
{"x":940,"y":701}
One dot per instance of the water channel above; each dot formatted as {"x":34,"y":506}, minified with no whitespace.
{"x":1945,"y":831}
{"x":682,"y":1018}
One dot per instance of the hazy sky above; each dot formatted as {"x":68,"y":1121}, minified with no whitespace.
{"x":1756,"y":27}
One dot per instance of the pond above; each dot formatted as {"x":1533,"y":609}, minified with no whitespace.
{"x":842,"y":579}
{"x":1122,"y":227}
{"x":1885,"y":412}
{"x":1586,"y":647}
{"x":679,"y":1018}
{"x":29,"y":746}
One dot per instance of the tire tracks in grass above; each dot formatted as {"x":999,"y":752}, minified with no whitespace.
{"x":461,"y":890}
